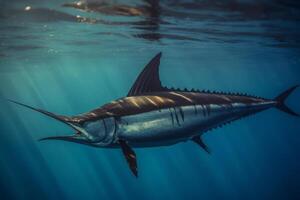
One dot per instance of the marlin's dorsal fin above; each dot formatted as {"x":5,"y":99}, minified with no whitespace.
{"x":148,"y":80}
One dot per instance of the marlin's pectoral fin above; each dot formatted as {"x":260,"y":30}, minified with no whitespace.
{"x":199,"y":141}
{"x":130,"y":156}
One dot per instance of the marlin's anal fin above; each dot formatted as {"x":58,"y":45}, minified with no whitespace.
{"x":130,"y":156}
{"x":199,"y":141}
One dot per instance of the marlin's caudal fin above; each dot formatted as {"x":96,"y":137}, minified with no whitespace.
{"x":281,"y":99}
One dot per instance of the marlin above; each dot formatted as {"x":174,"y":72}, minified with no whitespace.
{"x":153,"y":115}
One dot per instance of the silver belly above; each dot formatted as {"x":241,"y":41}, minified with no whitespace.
{"x":154,"y":128}
{"x":172,"y":125}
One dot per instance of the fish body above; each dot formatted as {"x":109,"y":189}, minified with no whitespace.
{"x":152,"y":115}
{"x":165,"y":118}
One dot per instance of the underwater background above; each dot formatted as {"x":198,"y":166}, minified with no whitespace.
{"x":70,"y":58}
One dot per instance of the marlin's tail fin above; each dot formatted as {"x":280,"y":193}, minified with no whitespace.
{"x":281,"y":101}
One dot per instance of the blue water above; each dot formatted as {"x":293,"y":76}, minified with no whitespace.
{"x":70,"y":61}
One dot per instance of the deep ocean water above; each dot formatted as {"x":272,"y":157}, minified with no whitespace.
{"x":70,"y":59}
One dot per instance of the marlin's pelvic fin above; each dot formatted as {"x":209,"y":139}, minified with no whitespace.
{"x":199,"y":141}
{"x":280,"y":99}
{"x":130,"y":157}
